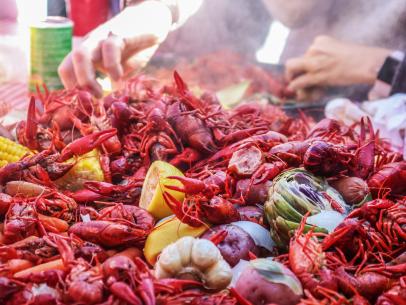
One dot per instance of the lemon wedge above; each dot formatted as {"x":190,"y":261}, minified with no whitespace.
{"x":233,"y":94}
{"x":166,"y":232}
{"x":152,"y":198}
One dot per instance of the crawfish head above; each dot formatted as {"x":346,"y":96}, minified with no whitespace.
{"x":218,"y":210}
{"x":325,"y":159}
{"x":133,"y":214}
{"x":120,"y":267}
{"x":191,"y":129}
{"x":391,"y":178}
{"x":84,"y":285}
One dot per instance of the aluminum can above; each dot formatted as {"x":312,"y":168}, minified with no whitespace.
{"x":51,"y":41}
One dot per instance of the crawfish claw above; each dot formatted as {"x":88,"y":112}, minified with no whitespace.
{"x":86,"y":144}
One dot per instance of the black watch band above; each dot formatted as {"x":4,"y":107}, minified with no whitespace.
{"x":388,"y":70}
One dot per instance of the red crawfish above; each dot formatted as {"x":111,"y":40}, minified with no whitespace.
{"x":332,"y":130}
{"x":190,"y":128}
{"x":126,"y":193}
{"x":291,"y":152}
{"x":57,"y":205}
{"x":368,"y":284}
{"x":131,"y":213}
{"x":327,"y":159}
{"x":40,"y":129}
{"x":396,"y":295}
{"x":308,"y":261}
{"x":159,"y":140}
{"x":9,"y":286}
{"x":110,"y":233}
{"x":390,"y":179}
{"x":356,"y":238}
{"x":21,"y":221}
{"x":187,"y":157}
{"x":42,"y":288}
{"x":332,"y":297}
{"x":129,"y":281}
{"x":201,"y":203}
{"x":388,"y":217}
{"x":83,"y":283}
{"x":15,"y":170}
{"x":39,"y":294}
{"x":264,"y":142}
{"x":86,"y":144}
{"x":32,"y":248}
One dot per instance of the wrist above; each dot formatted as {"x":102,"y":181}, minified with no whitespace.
{"x":373,"y":64}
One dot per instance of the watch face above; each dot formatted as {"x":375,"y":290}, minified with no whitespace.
{"x":388,"y":70}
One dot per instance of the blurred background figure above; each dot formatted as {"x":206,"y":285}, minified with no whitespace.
{"x":312,"y":63}
{"x":8,"y":10}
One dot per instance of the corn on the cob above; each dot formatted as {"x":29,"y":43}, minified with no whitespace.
{"x":87,"y":168}
{"x":11,"y":151}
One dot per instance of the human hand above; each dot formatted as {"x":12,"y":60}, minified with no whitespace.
{"x":118,"y":47}
{"x":330,"y":62}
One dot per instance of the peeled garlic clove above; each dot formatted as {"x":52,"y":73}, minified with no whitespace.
{"x":204,"y":253}
{"x":161,"y":273}
{"x":219,"y":276}
{"x":170,"y":259}
{"x":185,"y":246}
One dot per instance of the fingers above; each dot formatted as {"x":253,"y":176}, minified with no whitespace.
{"x":83,"y":67}
{"x":111,"y":50}
{"x":295,"y":67}
{"x":305,"y":81}
{"x":113,"y":55}
{"x":136,"y":44}
{"x":66,"y":73}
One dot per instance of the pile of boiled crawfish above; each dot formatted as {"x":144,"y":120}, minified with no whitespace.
{"x":84,"y":246}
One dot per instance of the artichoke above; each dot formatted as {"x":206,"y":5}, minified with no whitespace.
{"x":295,"y":193}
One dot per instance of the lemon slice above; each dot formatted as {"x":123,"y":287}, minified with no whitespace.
{"x":166,"y":232}
{"x":233,"y":94}
{"x":152,"y":199}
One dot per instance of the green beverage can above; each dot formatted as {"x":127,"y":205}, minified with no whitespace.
{"x":51,"y":41}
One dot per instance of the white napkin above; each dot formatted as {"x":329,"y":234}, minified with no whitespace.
{"x":387,"y":115}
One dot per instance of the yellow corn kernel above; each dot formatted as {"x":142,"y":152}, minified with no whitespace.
{"x":11,"y":151}
{"x":87,"y":168}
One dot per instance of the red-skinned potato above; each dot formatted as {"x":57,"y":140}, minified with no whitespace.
{"x":252,"y":193}
{"x":236,"y":245}
{"x":264,"y":281}
{"x":252,"y":213}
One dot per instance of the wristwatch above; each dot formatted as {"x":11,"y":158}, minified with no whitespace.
{"x":383,"y":84}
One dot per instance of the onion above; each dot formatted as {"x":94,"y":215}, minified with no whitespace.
{"x":328,"y":220}
{"x":236,"y":270}
{"x":353,"y":189}
{"x":259,"y":234}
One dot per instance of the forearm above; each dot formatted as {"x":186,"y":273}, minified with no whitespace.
{"x":181,"y":10}
{"x":148,"y":17}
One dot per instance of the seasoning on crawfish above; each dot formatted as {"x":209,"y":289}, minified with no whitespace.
{"x":51,"y":41}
